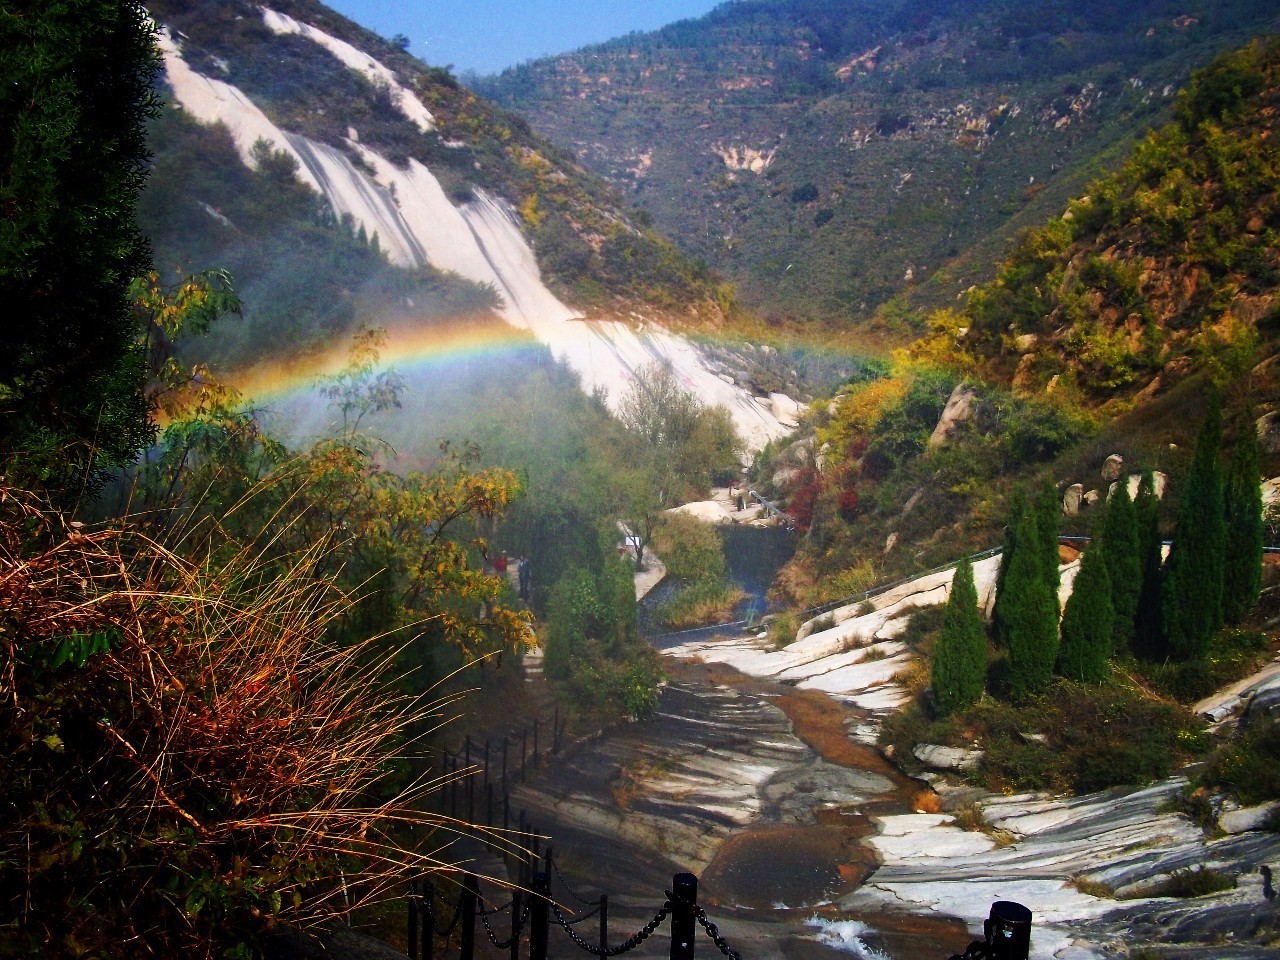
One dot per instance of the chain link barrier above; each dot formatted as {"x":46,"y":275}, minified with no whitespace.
{"x":429,"y":905}
{"x":568,"y":889}
{"x":516,"y":930}
{"x":714,"y":933}
{"x":627,"y":945}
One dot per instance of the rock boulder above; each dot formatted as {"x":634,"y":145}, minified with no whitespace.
{"x":958,"y":410}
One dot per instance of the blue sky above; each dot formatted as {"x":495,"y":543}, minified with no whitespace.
{"x":488,"y":35}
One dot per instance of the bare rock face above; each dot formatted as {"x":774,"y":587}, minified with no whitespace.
{"x":1248,"y":818}
{"x":1024,"y":376}
{"x":1072,"y":499}
{"x":1027,"y":342}
{"x":1092,"y":497}
{"x":1269,"y":431}
{"x":958,"y":410}
{"x":947,"y":758}
{"x":1114,"y":466}
{"x":890,"y":541}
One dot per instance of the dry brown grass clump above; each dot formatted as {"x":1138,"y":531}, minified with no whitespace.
{"x":187,"y":754}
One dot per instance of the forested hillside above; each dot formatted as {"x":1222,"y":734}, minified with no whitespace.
{"x":1104,"y":332}
{"x":830,"y":155}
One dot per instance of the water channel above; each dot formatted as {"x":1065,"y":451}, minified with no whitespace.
{"x":754,"y":786}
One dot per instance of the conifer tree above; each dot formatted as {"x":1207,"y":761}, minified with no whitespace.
{"x":1148,"y":631}
{"x":1242,"y":571}
{"x":960,"y":660}
{"x":1048,"y":513}
{"x":1191,"y":603}
{"x":76,"y":90}
{"x":1031,"y":615}
{"x":1017,"y":507}
{"x":1122,"y":556}
{"x":1088,"y":618}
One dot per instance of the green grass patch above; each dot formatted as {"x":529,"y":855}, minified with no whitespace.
{"x":1248,"y":766}
{"x":700,"y":604}
{"x":1185,"y":884}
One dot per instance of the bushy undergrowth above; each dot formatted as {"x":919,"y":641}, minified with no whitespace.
{"x":188,"y":750}
{"x":1074,"y":738}
{"x":701,"y":603}
{"x":1249,"y":765}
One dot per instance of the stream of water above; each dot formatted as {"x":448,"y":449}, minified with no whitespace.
{"x":754,"y":786}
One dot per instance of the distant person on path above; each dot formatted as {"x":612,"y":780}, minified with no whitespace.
{"x":522,"y":569}
{"x":742,"y":501}
{"x":500,"y":564}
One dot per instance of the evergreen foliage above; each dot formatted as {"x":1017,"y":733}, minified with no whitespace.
{"x":1030,"y":614}
{"x":1121,"y":553}
{"x":1149,"y":640}
{"x":1087,"y":621}
{"x":999,"y":615}
{"x":1048,"y":516}
{"x":1191,"y":604}
{"x":960,"y":659}
{"x":75,"y":94}
{"x":1242,"y":571}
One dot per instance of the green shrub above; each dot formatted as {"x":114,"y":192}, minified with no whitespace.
{"x":1196,"y":882}
{"x":1248,"y":764}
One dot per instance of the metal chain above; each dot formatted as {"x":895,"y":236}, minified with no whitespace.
{"x":483,"y":912}
{"x":714,"y":932}
{"x":633,"y":941}
{"x":565,"y":883}
{"x":585,"y":916}
{"x":978,"y":950}
{"x":431,"y":915}
{"x":515,"y":933}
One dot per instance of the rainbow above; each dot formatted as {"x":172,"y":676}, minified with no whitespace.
{"x":411,"y":349}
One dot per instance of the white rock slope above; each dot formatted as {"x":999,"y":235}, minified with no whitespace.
{"x":416,"y":223}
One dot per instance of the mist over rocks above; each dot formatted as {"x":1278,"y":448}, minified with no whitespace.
{"x":407,"y":210}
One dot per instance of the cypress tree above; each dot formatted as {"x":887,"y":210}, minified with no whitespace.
{"x":1191,"y":603}
{"x":1031,"y":615}
{"x":1087,"y":620}
{"x":1148,"y":632}
{"x":1048,"y":513}
{"x":76,"y":91}
{"x":1242,"y":571}
{"x":1121,"y":553}
{"x":1017,"y":507}
{"x":960,"y":660}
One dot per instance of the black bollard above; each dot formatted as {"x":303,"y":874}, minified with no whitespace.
{"x":1008,"y":930}
{"x":539,"y":916}
{"x":604,"y":923}
{"x":470,"y":894}
{"x":517,"y":911}
{"x":684,"y":900}
{"x":413,"y":921}
{"x":428,"y":921}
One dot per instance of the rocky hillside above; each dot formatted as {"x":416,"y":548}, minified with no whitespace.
{"x":828,"y":155}
{"x":1102,"y":334}
{"x":343,"y":181}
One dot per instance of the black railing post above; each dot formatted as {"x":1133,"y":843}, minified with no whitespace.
{"x":535,"y":741}
{"x":504,"y":761}
{"x":453,"y":792}
{"x":684,"y":900}
{"x":413,"y":920}
{"x":488,"y":805}
{"x":486,"y":764}
{"x":555,"y":730}
{"x":604,"y":922}
{"x":517,"y":903}
{"x":470,"y":894}
{"x":428,"y":921}
{"x":1008,"y":930}
{"x":539,"y":917}
{"x":471,"y":801}
{"x":524,"y":751}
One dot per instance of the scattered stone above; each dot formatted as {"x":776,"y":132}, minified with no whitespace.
{"x":1072,"y":498}
{"x":1092,"y":497}
{"x":1269,"y":431}
{"x":890,"y":541}
{"x":947,"y":758}
{"x":1114,"y":466}
{"x":785,"y":409}
{"x":1027,"y":342}
{"x":1248,"y":818}
{"x":958,"y":410}
{"x":913,"y":502}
